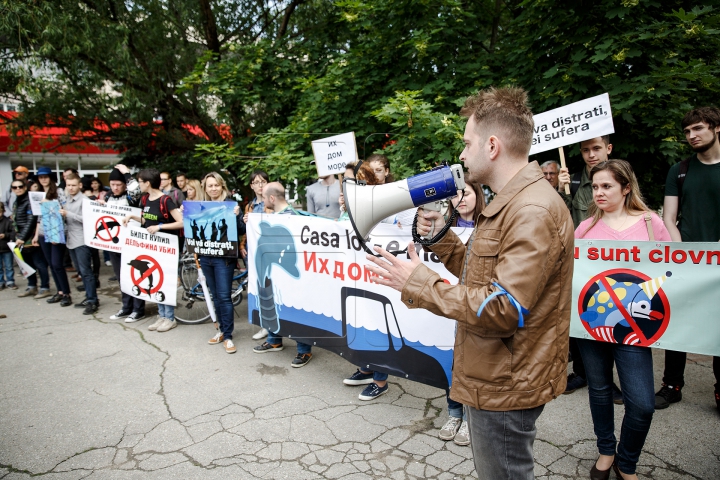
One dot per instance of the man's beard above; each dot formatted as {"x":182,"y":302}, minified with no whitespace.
{"x":706,"y":146}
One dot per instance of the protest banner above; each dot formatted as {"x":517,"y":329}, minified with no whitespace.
{"x":647,"y":294}
{"x":35,"y":199}
{"x":102,"y":224}
{"x":572,"y":123}
{"x":583,"y":120}
{"x":25,"y":269}
{"x":149,"y":265}
{"x":333,"y":153}
{"x":52,"y":222}
{"x":308,"y":280}
{"x":211,"y":228}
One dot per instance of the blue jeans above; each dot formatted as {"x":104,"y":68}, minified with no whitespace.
{"x":502,"y":442}
{"x":377,"y":376}
{"x":455,"y":409}
{"x":635,"y":370}
{"x":218,"y":274}
{"x":34,"y":257}
{"x":55,"y":256}
{"x":82,"y":258}
{"x":6,"y":267}
{"x":166,"y":311}
{"x":273,"y":339}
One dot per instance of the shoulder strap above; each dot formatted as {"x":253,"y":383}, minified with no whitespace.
{"x":163,"y":207}
{"x":143,"y":199}
{"x":575,"y":183}
{"x":682,"y":173}
{"x":648,"y":224}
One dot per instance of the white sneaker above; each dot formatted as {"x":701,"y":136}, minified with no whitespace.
{"x":261,"y":334}
{"x":168,"y":324}
{"x":108,"y":263}
{"x":463,"y":435}
{"x":450,"y":429}
{"x":154,"y":326}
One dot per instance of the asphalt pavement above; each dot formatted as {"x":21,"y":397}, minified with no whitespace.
{"x":88,"y":397}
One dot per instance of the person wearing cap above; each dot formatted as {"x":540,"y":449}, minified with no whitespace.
{"x":124,"y":191}
{"x":9,"y":197}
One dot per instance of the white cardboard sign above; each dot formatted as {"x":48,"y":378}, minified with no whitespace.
{"x":35,"y":199}
{"x":149,"y":265}
{"x":102,"y":224}
{"x":572,"y":123}
{"x":25,"y":269}
{"x":333,"y":153}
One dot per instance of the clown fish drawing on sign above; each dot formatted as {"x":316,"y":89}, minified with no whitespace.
{"x":622,"y":311}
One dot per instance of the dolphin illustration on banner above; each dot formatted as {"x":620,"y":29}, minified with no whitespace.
{"x":617,"y":310}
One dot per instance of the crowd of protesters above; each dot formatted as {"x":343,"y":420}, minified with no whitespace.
{"x":604,"y":203}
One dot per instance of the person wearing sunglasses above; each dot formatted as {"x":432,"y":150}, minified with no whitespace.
{"x":25,"y":223}
{"x":19,"y":173}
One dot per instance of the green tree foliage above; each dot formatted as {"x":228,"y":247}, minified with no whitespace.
{"x":278,"y":75}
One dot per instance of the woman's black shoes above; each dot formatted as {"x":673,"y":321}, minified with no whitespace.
{"x":596,"y":474}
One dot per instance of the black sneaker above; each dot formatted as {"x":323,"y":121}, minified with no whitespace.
{"x":617,"y":395}
{"x":360,"y":378}
{"x":90,"y":308}
{"x":120,"y":314}
{"x":65,"y":301}
{"x":55,"y":298}
{"x":81,"y":288}
{"x":373,"y":391}
{"x":301,"y":360}
{"x":266,"y":347}
{"x":112,"y":279}
{"x":134,"y":317}
{"x":667,"y":395}
{"x":82,"y":304}
{"x":574,"y":381}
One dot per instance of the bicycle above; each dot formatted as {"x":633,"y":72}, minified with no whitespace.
{"x":191,"y":306}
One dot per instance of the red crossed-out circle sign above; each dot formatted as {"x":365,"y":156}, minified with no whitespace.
{"x":644,"y":332}
{"x":153,"y":267}
{"x":108,"y":233}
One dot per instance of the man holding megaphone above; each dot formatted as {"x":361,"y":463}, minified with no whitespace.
{"x":512,"y":303}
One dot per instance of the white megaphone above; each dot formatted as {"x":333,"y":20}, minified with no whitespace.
{"x":368,"y":205}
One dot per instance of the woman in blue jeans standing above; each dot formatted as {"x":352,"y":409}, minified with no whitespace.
{"x":218,"y":271}
{"x":619,"y":213}
{"x":54,"y":253}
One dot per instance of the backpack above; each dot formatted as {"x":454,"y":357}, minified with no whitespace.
{"x":167,"y":218}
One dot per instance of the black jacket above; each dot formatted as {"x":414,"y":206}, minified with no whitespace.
{"x":25,"y":221}
{"x":6,"y":227}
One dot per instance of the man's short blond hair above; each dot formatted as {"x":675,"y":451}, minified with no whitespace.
{"x":505,"y":113}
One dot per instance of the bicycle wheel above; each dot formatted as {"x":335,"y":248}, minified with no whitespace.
{"x":191,"y":307}
{"x":239,"y":284}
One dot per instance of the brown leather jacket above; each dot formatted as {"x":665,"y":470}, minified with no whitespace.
{"x":523,"y":241}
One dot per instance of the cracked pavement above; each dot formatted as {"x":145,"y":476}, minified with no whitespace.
{"x":87,"y":397}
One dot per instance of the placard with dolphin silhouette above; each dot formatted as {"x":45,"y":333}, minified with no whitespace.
{"x":308,"y":281}
{"x":149,"y":265}
{"x":210,"y":228}
{"x":102,"y":224}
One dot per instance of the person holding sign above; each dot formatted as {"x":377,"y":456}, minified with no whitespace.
{"x":7,"y":234}
{"x":160,"y":213}
{"x":25,"y":223}
{"x":81,"y":254}
{"x":219,"y":270}
{"x":513,"y":300}
{"x":619,"y":213}
{"x":124,"y":191}
{"x":322,"y":197}
{"x":54,"y":252}
{"x":594,"y":151}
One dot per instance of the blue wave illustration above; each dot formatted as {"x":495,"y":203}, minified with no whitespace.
{"x":357,"y":338}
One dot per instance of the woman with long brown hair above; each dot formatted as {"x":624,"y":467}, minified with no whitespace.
{"x":618,"y":212}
